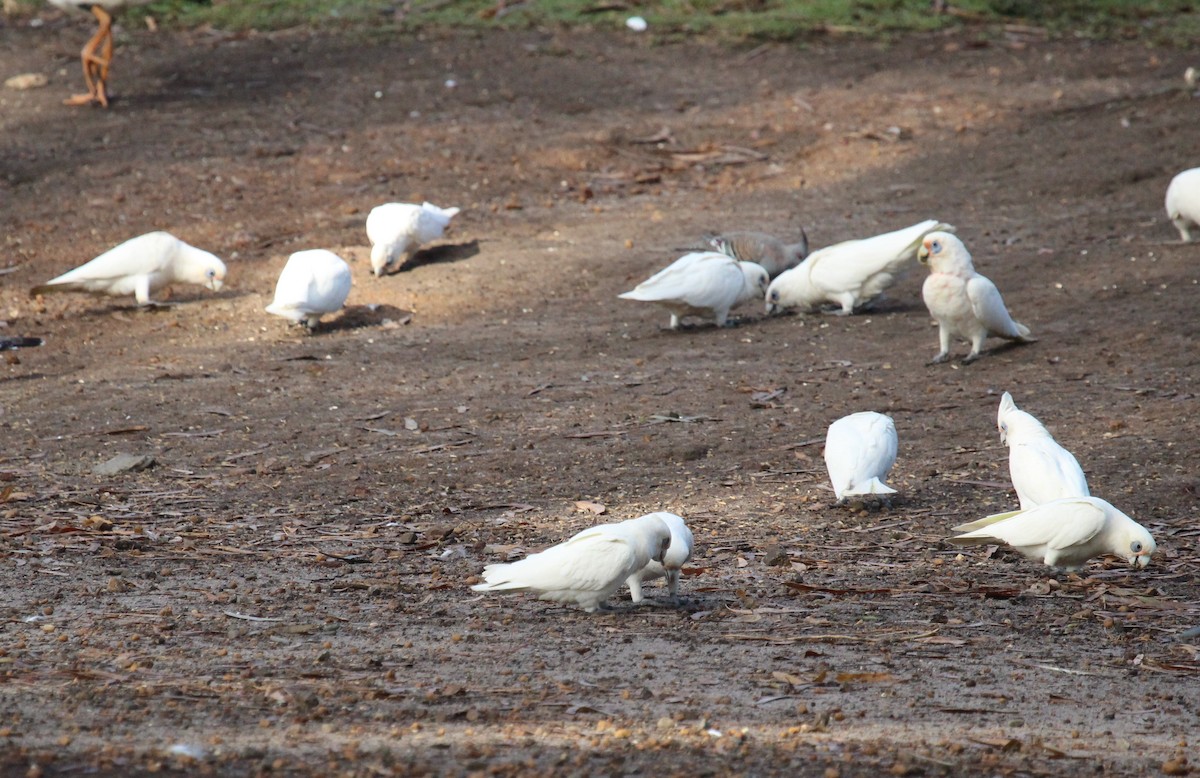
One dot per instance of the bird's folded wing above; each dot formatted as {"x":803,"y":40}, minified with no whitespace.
{"x":989,"y":308}
{"x":592,"y":562}
{"x":387,"y":222}
{"x":134,"y":257}
{"x":701,"y":282}
{"x":986,"y":521}
{"x":1058,"y":525}
{"x":1047,"y":470}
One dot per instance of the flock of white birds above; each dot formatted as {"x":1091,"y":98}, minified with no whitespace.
{"x":314,"y":282}
{"x":1058,"y":521}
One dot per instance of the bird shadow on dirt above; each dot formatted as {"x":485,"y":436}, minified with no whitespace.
{"x":449,"y":252}
{"x":125,"y":310}
{"x":355,"y":317}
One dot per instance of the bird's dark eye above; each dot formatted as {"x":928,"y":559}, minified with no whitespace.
{"x":936,"y":246}
{"x":211,"y":273}
{"x":774,"y":297}
{"x":1135,"y":547}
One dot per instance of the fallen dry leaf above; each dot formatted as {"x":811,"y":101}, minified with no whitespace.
{"x":866,"y":678}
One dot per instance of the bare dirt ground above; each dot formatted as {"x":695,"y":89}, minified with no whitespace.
{"x":285,"y":591}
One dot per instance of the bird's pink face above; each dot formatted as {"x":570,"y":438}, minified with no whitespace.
{"x":932,"y":246}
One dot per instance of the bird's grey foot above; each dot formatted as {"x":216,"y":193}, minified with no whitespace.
{"x":969,"y":358}
{"x":939,"y":359}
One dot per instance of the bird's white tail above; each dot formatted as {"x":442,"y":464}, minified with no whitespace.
{"x":986,"y":521}
{"x":874,"y":486}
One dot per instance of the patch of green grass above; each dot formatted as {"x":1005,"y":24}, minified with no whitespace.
{"x":1171,"y":21}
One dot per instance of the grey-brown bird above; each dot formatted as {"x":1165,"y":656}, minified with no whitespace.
{"x":761,"y":249}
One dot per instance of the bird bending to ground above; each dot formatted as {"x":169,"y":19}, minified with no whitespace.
{"x":678,"y":554}
{"x":397,"y":230}
{"x":312,"y":283}
{"x":860,"y":450}
{"x":774,"y":255}
{"x":705,"y":283}
{"x":964,"y":303}
{"x":1183,"y":202}
{"x":98,"y":51}
{"x":12,"y":344}
{"x":586,"y":569}
{"x":140,"y":266}
{"x":1042,"y":470}
{"x":1065,"y":533}
{"x":851,"y":273}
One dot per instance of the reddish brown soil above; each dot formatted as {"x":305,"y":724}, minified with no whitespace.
{"x":285,"y":592}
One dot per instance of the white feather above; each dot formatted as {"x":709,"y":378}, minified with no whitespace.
{"x":313,"y":283}
{"x":849,"y":273}
{"x":706,"y":283}
{"x":141,"y":266}
{"x":587,"y":568}
{"x":964,"y":303}
{"x":397,"y":230}
{"x":1066,"y":533}
{"x":1042,"y":470}
{"x":860,"y":450}
{"x":1183,"y":202}
{"x":678,"y":554}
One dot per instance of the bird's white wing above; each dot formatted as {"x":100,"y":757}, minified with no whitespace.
{"x":840,"y":458}
{"x":432,"y":221}
{"x":859,"y":448}
{"x":593,"y":560}
{"x":387,"y":222}
{"x":145,"y":254}
{"x":989,"y":308}
{"x":315,"y":281}
{"x":879,"y":447}
{"x":702,"y":280}
{"x":1058,"y":525}
{"x":1183,"y":195}
{"x":1043,"y":471}
{"x":847,"y":266}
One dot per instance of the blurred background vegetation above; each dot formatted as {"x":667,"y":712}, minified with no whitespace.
{"x":1168,"y":22}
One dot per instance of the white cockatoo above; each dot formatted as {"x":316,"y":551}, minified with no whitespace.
{"x":1183,"y":202}
{"x":705,"y":283}
{"x":964,"y":303}
{"x":1064,"y":533}
{"x":397,"y":230}
{"x":678,"y":554}
{"x":860,"y":450}
{"x":770,"y":252}
{"x":1042,"y":470}
{"x":312,"y":283}
{"x":851,"y":273}
{"x":140,"y":266}
{"x":586,"y":569}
